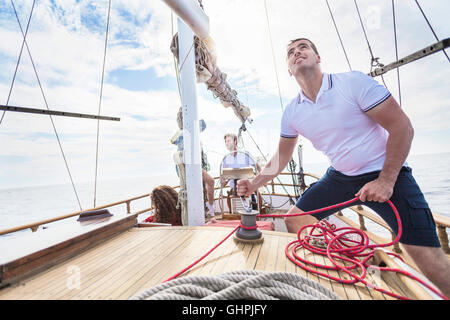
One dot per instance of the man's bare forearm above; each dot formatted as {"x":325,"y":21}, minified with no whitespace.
{"x":267,"y":174}
{"x":397,"y":150}
{"x":278,"y":162}
{"x":271,"y":170}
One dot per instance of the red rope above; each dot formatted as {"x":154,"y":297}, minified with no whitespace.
{"x":337,"y":244}
{"x":248,"y":228}
{"x":201,"y":258}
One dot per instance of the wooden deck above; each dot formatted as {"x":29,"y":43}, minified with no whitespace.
{"x":140,"y":258}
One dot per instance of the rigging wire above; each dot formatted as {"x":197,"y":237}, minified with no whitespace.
{"x":432,"y":30}
{"x":374,"y":61}
{"x":175,"y":63}
{"x":340,"y":40}
{"x":279,"y":90}
{"x":396,"y":55}
{"x":18,"y":60}
{"x":260,"y":151}
{"x":46,"y":104}
{"x":100,"y":102}
{"x":201,"y":4}
{"x":187,"y":55}
{"x":273,"y":54}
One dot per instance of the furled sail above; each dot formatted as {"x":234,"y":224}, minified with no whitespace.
{"x":207,"y":72}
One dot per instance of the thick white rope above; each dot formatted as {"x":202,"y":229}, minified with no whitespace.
{"x":242,"y":284}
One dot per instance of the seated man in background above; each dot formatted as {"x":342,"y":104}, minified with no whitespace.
{"x":235,"y":160}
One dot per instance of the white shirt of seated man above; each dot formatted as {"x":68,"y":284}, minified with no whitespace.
{"x":236,"y":159}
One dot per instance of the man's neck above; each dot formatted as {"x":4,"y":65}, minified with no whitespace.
{"x":310,"y":83}
{"x":233,"y":152}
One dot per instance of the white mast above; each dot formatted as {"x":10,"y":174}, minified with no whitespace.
{"x":191,"y":16}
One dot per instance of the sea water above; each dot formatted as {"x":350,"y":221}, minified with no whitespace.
{"x":21,"y":206}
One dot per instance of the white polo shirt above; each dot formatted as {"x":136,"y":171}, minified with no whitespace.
{"x":337,"y":124}
{"x":239,"y":160}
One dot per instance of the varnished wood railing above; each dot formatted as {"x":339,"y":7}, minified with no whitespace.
{"x":442,"y":223}
{"x":35,"y":225}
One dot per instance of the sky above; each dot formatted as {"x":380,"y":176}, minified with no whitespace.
{"x":66,"y":39}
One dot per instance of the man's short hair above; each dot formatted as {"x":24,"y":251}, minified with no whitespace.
{"x":313,"y":46}
{"x":232,"y":135}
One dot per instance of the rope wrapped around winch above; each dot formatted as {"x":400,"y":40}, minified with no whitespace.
{"x":241,"y":284}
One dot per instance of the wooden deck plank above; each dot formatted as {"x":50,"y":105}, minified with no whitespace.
{"x":374,"y":278}
{"x":319,"y":259}
{"x":169,"y":264}
{"x":238,"y":255}
{"x":206,"y":266}
{"x":350,"y":289}
{"x":246,"y":252}
{"x":156,"y":265}
{"x":379,"y":280}
{"x":252,"y":259}
{"x":87,"y":259}
{"x":281,"y":259}
{"x":58,"y":275}
{"x":132,"y":274}
{"x":359,"y":289}
{"x":138,"y":255}
{"x":309,"y":257}
{"x":143,"y":257}
{"x":236,"y":259}
{"x":262,"y":257}
{"x":217,"y":258}
{"x":95,"y":268}
{"x":91,"y":266}
{"x":337,"y":287}
{"x":220,"y":264}
{"x":148,"y":271}
{"x":201,"y":246}
{"x":35,"y":253}
{"x":139,"y":272}
{"x":272,"y":255}
{"x":290,"y":266}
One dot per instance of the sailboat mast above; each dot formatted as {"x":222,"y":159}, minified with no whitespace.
{"x":190,"y":17}
{"x":191,"y":130}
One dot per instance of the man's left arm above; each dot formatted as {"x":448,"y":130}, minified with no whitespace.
{"x":392,"y":118}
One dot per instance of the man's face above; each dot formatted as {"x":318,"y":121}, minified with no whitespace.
{"x":229,"y":142}
{"x":300,"y":55}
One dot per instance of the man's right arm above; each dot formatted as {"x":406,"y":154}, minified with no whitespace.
{"x":278,"y":162}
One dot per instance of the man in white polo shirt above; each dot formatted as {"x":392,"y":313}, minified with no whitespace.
{"x":366,"y":136}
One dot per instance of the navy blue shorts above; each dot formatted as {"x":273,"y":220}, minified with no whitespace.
{"x":334,"y":187}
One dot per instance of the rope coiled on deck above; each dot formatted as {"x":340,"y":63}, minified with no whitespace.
{"x":241,"y":284}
